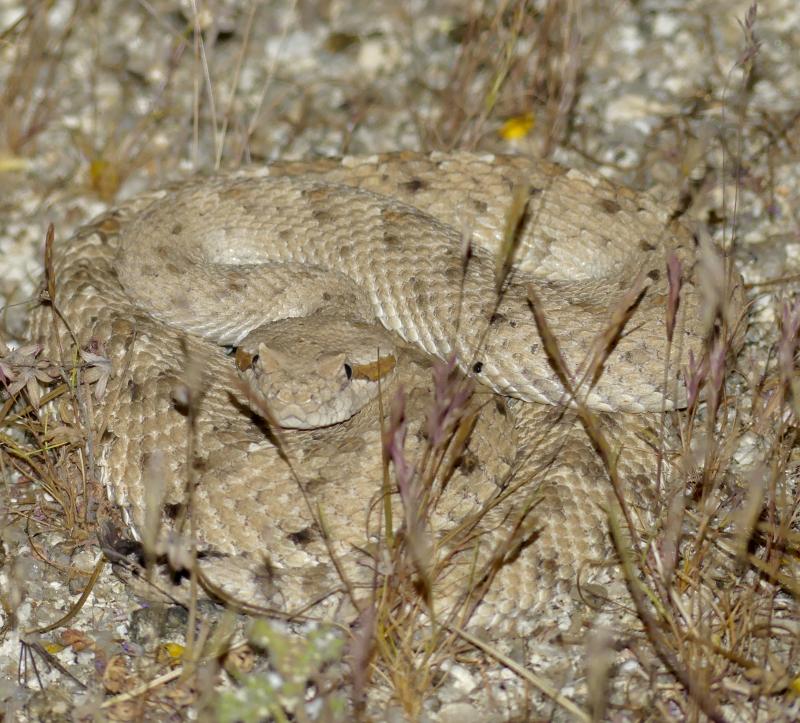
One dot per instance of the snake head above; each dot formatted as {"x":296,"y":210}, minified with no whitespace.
{"x":316,"y":371}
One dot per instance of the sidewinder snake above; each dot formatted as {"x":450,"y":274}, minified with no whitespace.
{"x":169,"y":285}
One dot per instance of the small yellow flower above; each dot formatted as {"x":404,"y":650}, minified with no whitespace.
{"x":104,"y":178}
{"x":517,"y":127}
{"x":171,"y":653}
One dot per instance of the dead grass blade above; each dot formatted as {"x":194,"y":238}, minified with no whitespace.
{"x":77,"y":606}
{"x":601,"y":349}
{"x":526,"y":675}
{"x":708,"y":705}
{"x":515,"y":217}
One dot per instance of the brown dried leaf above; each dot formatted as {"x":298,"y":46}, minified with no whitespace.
{"x":116,"y":678}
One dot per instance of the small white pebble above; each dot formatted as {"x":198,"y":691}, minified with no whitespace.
{"x":665,"y":25}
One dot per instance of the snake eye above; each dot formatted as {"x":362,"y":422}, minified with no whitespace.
{"x":348,"y":371}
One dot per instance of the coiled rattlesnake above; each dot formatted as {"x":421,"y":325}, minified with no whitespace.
{"x":167,"y":284}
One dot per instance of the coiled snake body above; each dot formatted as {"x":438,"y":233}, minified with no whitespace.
{"x":404,"y":247}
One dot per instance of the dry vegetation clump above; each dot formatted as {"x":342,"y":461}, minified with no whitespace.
{"x":512,"y":64}
{"x":710,"y":626}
